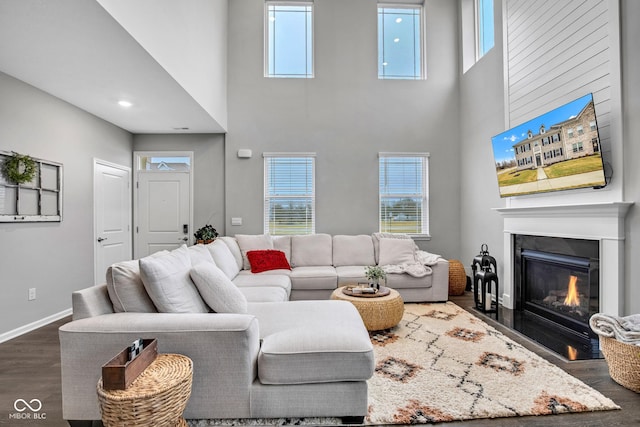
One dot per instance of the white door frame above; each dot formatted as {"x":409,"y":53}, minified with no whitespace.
{"x":136,"y":166}
{"x":99,"y":276}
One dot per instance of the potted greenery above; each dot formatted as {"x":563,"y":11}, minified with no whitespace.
{"x":206,"y":234}
{"x":374,"y":274}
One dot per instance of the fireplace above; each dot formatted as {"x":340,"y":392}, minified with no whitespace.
{"x":557,"y":286}
{"x":600,"y":223}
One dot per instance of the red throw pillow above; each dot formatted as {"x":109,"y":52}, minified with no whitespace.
{"x":268,"y":259}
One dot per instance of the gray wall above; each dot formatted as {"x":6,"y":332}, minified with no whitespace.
{"x":208,"y":169}
{"x":345,"y":115}
{"x":55,"y":258}
{"x":482,"y":116}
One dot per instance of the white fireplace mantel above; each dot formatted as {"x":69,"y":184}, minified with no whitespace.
{"x":603,"y":222}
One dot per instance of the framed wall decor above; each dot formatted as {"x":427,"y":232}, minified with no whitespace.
{"x":38,"y":199}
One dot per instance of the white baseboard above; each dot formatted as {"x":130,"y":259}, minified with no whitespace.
{"x":34,"y":325}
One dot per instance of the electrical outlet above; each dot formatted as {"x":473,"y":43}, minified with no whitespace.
{"x":32,"y":294}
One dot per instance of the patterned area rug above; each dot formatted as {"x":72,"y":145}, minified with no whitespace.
{"x":441,"y":364}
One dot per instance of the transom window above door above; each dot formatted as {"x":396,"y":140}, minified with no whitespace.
{"x":164,"y":163}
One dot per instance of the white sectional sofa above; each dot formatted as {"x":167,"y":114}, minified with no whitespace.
{"x":320,"y":263}
{"x":256,"y":354}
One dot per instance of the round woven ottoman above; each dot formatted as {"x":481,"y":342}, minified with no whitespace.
{"x":377,"y":312}
{"x":156,"y":398}
{"x":457,"y":277}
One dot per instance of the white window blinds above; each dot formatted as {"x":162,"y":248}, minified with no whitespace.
{"x":404,"y":193}
{"x":289,"y":193}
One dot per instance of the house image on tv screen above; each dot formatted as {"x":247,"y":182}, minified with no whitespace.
{"x":558,"y":150}
{"x":573,"y":138}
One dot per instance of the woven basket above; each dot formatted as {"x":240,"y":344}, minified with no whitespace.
{"x":457,"y":277}
{"x":156,"y":398}
{"x":377,"y":313}
{"x":624,"y":362}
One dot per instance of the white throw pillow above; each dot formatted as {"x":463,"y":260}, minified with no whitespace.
{"x":126,"y":290}
{"x":252,"y":242}
{"x":125,"y":287}
{"x":376,"y":241}
{"x":218,"y":290}
{"x":232,"y":244}
{"x":167,"y":281}
{"x":198,"y":254}
{"x":223,"y":258}
{"x":397,"y":251}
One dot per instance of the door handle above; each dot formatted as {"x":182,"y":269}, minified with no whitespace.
{"x":100,"y":239}
{"x":185,"y":238}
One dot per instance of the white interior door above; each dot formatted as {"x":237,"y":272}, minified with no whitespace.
{"x":163,"y":205}
{"x":112,"y":216}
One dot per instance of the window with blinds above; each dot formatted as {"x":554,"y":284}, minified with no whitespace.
{"x":404,"y":193}
{"x":289,"y":193}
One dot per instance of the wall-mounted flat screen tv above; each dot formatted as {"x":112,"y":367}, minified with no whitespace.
{"x":558,"y":150}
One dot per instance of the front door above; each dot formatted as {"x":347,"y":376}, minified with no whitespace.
{"x":163,"y":213}
{"x":112,"y":216}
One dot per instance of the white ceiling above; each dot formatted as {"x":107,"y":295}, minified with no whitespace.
{"x":75,"y":50}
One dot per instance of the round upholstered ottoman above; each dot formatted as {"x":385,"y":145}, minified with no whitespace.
{"x":457,"y":277}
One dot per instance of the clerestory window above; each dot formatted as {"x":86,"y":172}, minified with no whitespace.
{"x":289,"y":39}
{"x":484,"y":27}
{"x":400,"y":53}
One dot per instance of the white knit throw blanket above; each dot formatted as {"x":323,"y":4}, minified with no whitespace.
{"x":625,"y":329}
{"x":423,"y":259}
{"x":420,"y":269}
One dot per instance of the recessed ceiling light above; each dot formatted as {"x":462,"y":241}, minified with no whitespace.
{"x":398,"y":20}
{"x":384,"y":64}
{"x":396,"y":40}
{"x":124,"y":103}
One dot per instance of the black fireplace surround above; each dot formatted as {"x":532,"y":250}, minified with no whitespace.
{"x":556,"y":289}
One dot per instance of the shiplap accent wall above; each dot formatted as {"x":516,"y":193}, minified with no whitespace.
{"x":557,"y":51}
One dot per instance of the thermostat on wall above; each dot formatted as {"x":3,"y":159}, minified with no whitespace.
{"x":244,"y":153}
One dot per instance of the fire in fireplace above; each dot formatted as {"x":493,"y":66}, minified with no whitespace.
{"x":573,"y":297}
{"x":557,"y":288}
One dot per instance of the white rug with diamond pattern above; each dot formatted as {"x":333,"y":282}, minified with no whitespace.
{"x":441,"y":364}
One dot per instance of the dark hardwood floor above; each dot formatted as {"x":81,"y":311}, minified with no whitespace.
{"x":30,"y":369}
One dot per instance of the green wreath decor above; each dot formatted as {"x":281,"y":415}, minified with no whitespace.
{"x":19,"y":168}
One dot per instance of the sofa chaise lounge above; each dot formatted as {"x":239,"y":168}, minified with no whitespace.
{"x":264,"y":345}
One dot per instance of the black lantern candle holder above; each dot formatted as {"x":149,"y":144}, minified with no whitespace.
{"x":485,"y":274}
